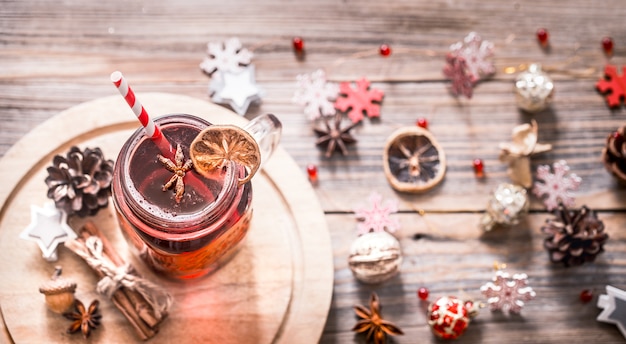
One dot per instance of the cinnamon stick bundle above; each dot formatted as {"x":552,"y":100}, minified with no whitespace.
{"x":132,"y":302}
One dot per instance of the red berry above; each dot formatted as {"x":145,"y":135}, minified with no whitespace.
{"x":422,"y":122}
{"x":607,"y":45}
{"x":311,"y":170}
{"x":586,"y":295}
{"x":478,"y":168}
{"x":385,"y":50}
{"x":298,"y":44}
{"x":542,"y":36}
{"x":422,"y":293}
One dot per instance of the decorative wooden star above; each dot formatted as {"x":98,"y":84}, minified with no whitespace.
{"x":48,"y":228}
{"x":236,"y":89}
{"x":613,"y":306}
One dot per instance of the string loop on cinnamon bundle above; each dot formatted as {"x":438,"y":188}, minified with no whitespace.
{"x":143,"y":303}
{"x":116,"y":277}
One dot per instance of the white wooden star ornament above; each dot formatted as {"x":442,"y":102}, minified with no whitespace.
{"x":48,"y":228}
{"x":613,"y":305}
{"x":236,"y":89}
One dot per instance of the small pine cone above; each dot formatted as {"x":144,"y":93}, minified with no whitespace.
{"x":80,"y":182}
{"x":614,"y":154}
{"x":574,"y":236}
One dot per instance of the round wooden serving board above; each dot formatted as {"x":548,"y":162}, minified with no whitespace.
{"x":278,"y":288}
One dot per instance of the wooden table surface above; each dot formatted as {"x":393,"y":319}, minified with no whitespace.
{"x":55,"y":55}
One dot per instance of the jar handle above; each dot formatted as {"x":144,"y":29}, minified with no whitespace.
{"x":266,"y":130}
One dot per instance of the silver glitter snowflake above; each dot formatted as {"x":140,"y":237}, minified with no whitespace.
{"x":228,"y":56}
{"x":506,"y":293}
{"x":478,"y":55}
{"x":556,"y":186}
{"x":375,"y":218}
{"x":316,"y":94}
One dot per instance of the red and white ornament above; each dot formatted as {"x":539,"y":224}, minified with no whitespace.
{"x":449,"y":316}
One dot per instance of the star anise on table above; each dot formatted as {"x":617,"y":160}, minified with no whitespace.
{"x":335,"y":137}
{"x":372,"y":322}
{"x":84,"y":319}
{"x":179,"y":167}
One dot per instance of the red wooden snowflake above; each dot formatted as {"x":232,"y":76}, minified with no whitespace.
{"x":359,"y":101}
{"x":456,"y":71}
{"x":613,"y":83}
{"x":375,"y":218}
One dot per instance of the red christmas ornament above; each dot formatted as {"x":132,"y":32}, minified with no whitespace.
{"x":586,"y":295}
{"x":478,"y":168}
{"x":422,"y":122}
{"x":385,"y":50}
{"x":542,"y":36}
{"x":298,"y":44}
{"x":448,"y":316}
{"x":422,"y":293}
{"x":311,"y":170}
{"x":607,"y":45}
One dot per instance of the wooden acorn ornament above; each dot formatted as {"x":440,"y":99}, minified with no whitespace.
{"x":59,"y":292}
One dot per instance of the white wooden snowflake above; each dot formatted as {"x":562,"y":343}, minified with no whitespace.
{"x":375,"y":217}
{"x":506,"y":293}
{"x":477,"y":54}
{"x":316,"y":94}
{"x":228,"y":56}
{"x":556,"y":186}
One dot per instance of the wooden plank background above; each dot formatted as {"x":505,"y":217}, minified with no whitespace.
{"x":54,"y":55}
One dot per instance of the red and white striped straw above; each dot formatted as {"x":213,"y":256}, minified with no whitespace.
{"x":152,"y":130}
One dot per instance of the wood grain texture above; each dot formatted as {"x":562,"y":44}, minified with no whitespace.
{"x":56,"y":55}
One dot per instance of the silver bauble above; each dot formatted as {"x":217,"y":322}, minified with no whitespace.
{"x":507,"y":204}
{"x":375,"y":257}
{"x":534,"y":89}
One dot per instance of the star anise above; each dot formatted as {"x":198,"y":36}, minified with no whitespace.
{"x":84,"y":319}
{"x":371,"y":322}
{"x":335,"y":137}
{"x":179,"y":168}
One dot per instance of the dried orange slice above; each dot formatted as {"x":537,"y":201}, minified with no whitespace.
{"x":217,"y":145}
{"x":413,"y":160}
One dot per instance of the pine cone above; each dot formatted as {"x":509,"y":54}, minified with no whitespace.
{"x":574,"y":236}
{"x":80,"y":182}
{"x":614,"y":154}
